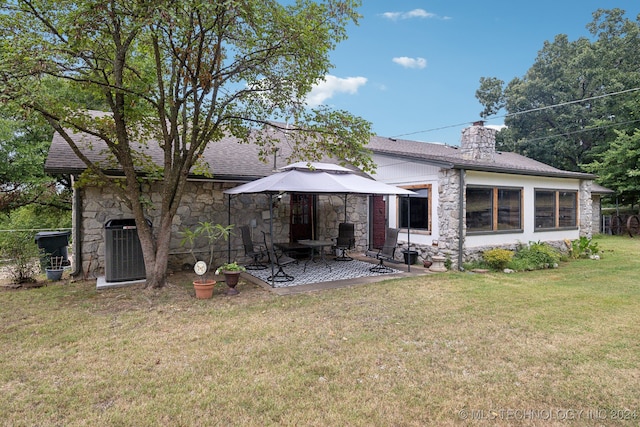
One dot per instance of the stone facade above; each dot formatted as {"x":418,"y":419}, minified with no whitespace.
{"x":448,"y":213}
{"x":478,"y":143}
{"x":585,"y":209}
{"x":205,"y":201}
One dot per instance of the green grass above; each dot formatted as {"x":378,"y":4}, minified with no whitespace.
{"x":418,"y":351}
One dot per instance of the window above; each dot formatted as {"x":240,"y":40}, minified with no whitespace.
{"x":567,"y":208}
{"x":556,"y":209}
{"x":418,"y":207}
{"x":493,"y":209}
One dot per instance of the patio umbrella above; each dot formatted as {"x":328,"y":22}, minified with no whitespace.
{"x":316,"y":178}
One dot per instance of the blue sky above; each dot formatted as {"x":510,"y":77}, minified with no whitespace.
{"x":412,"y":66}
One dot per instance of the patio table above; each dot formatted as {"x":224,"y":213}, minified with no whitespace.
{"x":292,"y":249}
{"x":319,"y":245}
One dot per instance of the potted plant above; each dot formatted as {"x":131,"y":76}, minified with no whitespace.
{"x":231,"y":271}
{"x":210,"y":233}
{"x":55,"y":270}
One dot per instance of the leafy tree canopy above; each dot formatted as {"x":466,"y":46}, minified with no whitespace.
{"x":23,"y":148}
{"x":180,"y":73}
{"x":619,"y":167}
{"x":565,"y":110}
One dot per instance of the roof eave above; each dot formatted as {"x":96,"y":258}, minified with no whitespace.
{"x":435,"y":162}
{"x":528,"y":172}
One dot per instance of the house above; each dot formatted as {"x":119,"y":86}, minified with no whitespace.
{"x":473,"y":197}
{"x":470,"y":198}
{"x":295,"y":216}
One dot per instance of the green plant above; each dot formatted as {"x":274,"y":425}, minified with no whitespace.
{"x":583,"y":247}
{"x":19,"y":248}
{"x":497,"y":258}
{"x":207,"y":232}
{"x":535,"y":256}
{"x":448,"y":263}
{"x":477,"y":264}
{"x":231,"y":266}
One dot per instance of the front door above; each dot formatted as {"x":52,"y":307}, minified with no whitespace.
{"x":378,"y":221}
{"x":301,"y":221}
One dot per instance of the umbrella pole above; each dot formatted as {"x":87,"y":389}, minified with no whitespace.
{"x":345,"y":207}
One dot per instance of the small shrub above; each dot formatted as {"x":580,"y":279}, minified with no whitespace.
{"x":583,"y":248}
{"x":497,"y":259}
{"x":535,"y":256}
{"x":22,"y":253}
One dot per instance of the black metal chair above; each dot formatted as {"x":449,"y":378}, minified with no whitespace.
{"x":345,"y":241}
{"x":279,"y":260}
{"x":386,"y":253}
{"x":251,"y":251}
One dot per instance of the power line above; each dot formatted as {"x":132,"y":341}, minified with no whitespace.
{"x":562,"y":104}
{"x":523,"y":112}
{"x":580,"y":131}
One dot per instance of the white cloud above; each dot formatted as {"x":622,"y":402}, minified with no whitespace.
{"x":415,"y":13}
{"x":332,"y":85}
{"x":419,"y":13}
{"x":407,"y":62}
{"x":496,"y":127}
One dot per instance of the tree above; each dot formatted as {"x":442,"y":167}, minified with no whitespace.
{"x":182,"y":75}
{"x":619,"y":167}
{"x":561,"y":112}
{"x":24,"y":142}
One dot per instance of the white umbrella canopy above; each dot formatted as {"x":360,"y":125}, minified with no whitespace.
{"x":317,"y":178}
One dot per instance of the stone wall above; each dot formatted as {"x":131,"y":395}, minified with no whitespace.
{"x":447,"y":213}
{"x":478,"y":143}
{"x":330,"y":211}
{"x":205,"y":201}
{"x":585,"y":208}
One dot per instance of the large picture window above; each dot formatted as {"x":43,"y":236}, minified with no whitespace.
{"x":556,"y":209}
{"x":417,"y":207}
{"x":493,"y":209}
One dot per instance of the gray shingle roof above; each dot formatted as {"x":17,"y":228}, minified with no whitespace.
{"x":228,"y":158}
{"x":232,"y":160}
{"x":451,"y":156}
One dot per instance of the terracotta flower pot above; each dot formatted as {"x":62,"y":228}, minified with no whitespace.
{"x":204,"y":290}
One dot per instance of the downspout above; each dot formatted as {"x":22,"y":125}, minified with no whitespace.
{"x":77,"y":230}
{"x":461,"y":220}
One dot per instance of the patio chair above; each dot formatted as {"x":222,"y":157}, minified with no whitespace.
{"x":251,"y":251}
{"x":386,"y":253}
{"x":280,"y":260}
{"x":346,"y":240}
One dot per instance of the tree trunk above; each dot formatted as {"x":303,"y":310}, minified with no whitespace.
{"x":155,"y":250}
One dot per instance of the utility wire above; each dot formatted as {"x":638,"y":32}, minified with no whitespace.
{"x":581,"y":130}
{"x":525,"y":111}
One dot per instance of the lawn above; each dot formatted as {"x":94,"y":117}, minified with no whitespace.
{"x":553,"y":347}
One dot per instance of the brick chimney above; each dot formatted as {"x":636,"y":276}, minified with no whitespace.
{"x":478,"y":142}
